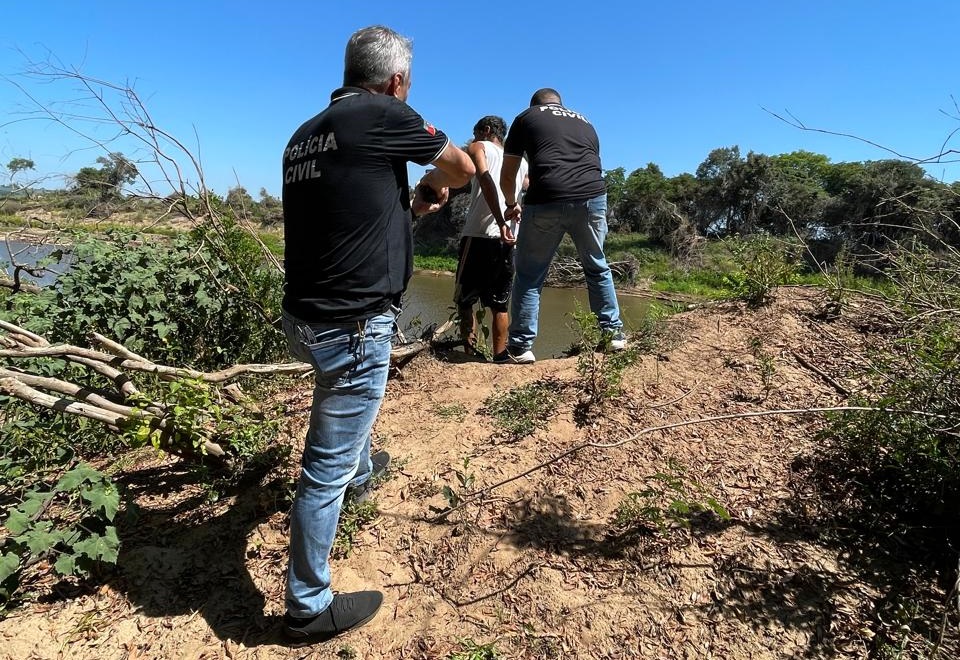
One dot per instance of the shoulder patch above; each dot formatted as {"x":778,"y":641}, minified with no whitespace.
{"x":429,"y":128}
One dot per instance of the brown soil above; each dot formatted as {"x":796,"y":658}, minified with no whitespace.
{"x":538,"y":567}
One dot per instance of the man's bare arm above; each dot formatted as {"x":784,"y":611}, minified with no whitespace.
{"x":508,"y":184}
{"x":508,"y":177}
{"x":453,"y":168}
{"x":489,"y":188}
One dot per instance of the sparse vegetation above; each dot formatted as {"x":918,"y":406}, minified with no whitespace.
{"x":670,"y":500}
{"x":471,"y":650}
{"x":522,"y":410}
{"x":601,"y":370}
{"x":354,"y":516}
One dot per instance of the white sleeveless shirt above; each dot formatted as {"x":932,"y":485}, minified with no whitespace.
{"x":480,"y":221}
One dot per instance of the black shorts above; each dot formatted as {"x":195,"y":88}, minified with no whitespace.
{"x":485,"y":273}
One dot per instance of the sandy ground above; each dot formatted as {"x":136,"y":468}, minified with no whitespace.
{"x":538,"y":567}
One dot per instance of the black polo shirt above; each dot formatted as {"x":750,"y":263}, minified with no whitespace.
{"x":563,"y":152}
{"x":346,"y":206}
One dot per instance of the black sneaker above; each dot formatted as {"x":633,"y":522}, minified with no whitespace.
{"x":514,"y":356}
{"x":346,"y":612}
{"x":360,"y":494}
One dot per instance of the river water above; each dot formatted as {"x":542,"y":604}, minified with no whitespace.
{"x":429,"y":300}
{"x":429,"y":297}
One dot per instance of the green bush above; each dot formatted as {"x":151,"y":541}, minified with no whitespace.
{"x":205,"y":299}
{"x":914,"y":459}
{"x":188,"y":301}
{"x":763,"y":264}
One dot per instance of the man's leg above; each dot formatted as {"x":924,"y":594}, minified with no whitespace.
{"x":465,"y":293}
{"x":468,"y":328}
{"x":587,"y":226}
{"x":539,"y":236}
{"x":500,"y":323}
{"x":351,"y":362}
{"x":497,"y":295}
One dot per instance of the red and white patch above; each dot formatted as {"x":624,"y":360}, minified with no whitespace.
{"x":429,"y":128}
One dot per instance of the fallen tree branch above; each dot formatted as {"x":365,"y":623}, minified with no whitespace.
{"x":127,"y":406}
{"x":115,"y":421}
{"x":69,"y":351}
{"x":843,"y":391}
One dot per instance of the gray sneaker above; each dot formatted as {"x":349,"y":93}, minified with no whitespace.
{"x":514,"y":356}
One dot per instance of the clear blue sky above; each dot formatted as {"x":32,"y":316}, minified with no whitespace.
{"x":662,"y":82}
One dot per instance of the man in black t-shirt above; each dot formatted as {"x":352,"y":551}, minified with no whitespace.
{"x":567,"y":194}
{"x":348,"y":257}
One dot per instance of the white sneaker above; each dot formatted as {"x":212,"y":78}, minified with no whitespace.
{"x":512,"y":356}
{"x":618,"y":341}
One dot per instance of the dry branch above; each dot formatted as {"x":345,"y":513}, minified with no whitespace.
{"x":113,"y":409}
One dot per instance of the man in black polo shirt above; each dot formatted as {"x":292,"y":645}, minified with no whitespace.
{"x":567,"y":194}
{"x":348,"y":257}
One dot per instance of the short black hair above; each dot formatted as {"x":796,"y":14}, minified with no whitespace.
{"x":545,"y":96}
{"x":497,"y":126}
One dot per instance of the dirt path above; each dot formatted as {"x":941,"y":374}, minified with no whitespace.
{"x":539,"y":568}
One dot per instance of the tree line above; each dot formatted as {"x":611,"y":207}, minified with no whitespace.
{"x":862,"y":204}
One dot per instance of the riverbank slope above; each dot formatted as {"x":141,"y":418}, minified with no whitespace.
{"x":564,"y":560}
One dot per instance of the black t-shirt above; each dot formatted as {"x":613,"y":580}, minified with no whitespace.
{"x":346,"y":206}
{"x":563,"y":151}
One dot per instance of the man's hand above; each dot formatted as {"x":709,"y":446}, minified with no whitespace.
{"x":428,"y":200}
{"x":506,"y":236}
{"x":512,"y":213}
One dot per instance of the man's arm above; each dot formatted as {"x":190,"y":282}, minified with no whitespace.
{"x":453,"y":168}
{"x":508,"y":184}
{"x":489,"y":188}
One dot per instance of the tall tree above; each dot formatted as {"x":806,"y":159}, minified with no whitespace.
{"x":106,"y":181}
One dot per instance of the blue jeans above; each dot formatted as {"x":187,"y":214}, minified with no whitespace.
{"x":541,"y":230}
{"x":351,"y":362}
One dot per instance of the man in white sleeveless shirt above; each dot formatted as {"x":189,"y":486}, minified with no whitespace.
{"x":485,"y":271}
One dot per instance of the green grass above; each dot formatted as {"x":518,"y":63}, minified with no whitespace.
{"x":471,"y":650}
{"x":453,"y":411}
{"x":707,"y":284}
{"x":435,"y":262}
{"x":274,"y":242}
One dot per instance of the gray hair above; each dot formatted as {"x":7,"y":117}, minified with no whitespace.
{"x":374,"y":54}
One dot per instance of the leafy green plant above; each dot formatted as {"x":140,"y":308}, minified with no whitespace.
{"x":763,"y":263}
{"x":187,"y":301}
{"x":465,"y":482}
{"x":522,"y":410}
{"x":670,"y":500}
{"x":765,"y":364}
{"x":601,"y":371}
{"x":193,"y":412}
{"x":354,"y":516}
{"x":67,"y":522}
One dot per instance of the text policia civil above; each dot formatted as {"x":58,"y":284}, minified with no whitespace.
{"x":306,"y":169}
